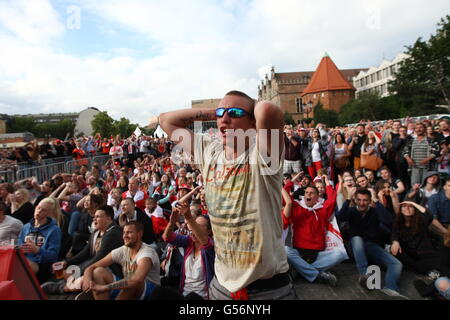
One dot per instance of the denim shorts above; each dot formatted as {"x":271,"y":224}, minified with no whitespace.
{"x":146,"y":293}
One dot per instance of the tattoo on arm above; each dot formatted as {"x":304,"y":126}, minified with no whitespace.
{"x":118,"y":285}
{"x":201,"y":116}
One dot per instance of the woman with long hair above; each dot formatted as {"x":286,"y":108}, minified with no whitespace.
{"x":154,"y":182}
{"x":122,"y":183}
{"x":341,"y":154}
{"x":412,"y":241}
{"x":396,"y":184}
{"x":21,"y":207}
{"x":371,"y":145}
{"x":163,"y":192}
{"x":387,"y":197}
{"x":316,"y":157}
{"x":110,"y":182}
{"x":61,"y":221}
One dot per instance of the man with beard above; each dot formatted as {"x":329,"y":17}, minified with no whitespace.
{"x":140,"y":267}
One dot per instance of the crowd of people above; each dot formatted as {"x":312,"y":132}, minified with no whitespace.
{"x":147,"y":226}
{"x":33,"y":152}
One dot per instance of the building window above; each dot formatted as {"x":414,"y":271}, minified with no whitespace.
{"x":392,"y":69}
{"x":323,"y":95}
{"x":298,"y":104}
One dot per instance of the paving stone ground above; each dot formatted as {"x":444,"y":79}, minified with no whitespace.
{"x":347,"y":287}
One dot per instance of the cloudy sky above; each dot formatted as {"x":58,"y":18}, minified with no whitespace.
{"x":137,"y":58}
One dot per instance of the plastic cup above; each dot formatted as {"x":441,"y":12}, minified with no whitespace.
{"x":58,"y":268}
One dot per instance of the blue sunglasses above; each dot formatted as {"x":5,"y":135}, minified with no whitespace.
{"x":233,"y":112}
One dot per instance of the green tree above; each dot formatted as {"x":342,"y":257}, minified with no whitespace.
{"x":20,"y":124}
{"x":370,"y":106}
{"x":328,"y":117}
{"x":423,"y":79}
{"x":288,"y":119}
{"x":147,"y":132}
{"x":57,"y":130}
{"x":103,"y":124}
{"x":123,"y":127}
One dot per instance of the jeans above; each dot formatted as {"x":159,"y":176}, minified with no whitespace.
{"x":74,"y":222}
{"x":366,"y":250}
{"x":440,"y":281}
{"x":325,"y":260}
{"x":417,"y":175}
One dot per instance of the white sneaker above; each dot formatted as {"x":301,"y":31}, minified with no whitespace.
{"x":84,"y":296}
{"x":393,"y":295}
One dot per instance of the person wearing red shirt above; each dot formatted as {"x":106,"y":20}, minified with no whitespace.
{"x":79,"y":154}
{"x":106,"y":146}
{"x":155,"y":213}
{"x":310,"y":219}
{"x":137,"y":195}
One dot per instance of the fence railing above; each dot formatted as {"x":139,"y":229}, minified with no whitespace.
{"x":8,"y":175}
{"x":41,"y":173}
{"x":49,"y":168}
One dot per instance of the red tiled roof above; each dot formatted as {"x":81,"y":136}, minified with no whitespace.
{"x":327,"y":77}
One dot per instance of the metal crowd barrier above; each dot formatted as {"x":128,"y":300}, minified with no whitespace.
{"x":47,"y":170}
{"x":41,"y":173}
{"x":8,"y":175}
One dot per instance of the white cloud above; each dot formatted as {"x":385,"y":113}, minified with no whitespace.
{"x":33,"y":21}
{"x":206,"y":48}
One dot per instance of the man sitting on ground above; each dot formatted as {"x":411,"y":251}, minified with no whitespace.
{"x":140,"y":267}
{"x":107,"y":237}
{"x":310,"y":220}
{"x":367,"y":225}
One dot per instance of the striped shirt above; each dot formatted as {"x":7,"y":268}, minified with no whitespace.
{"x":420,"y":151}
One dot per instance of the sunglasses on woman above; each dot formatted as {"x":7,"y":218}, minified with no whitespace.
{"x":233,"y":112}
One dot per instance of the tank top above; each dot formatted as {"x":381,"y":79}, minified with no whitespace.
{"x":339,"y":152}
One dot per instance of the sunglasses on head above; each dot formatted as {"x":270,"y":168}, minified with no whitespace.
{"x":233,"y":112}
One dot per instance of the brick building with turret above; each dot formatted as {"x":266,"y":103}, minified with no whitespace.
{"x":327,"y":83}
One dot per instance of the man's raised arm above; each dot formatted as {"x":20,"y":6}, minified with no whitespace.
{"x":181,"y":119}
{"x":269,"y":116}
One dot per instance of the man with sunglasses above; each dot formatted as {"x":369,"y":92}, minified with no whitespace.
{"x":242,"y":193}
